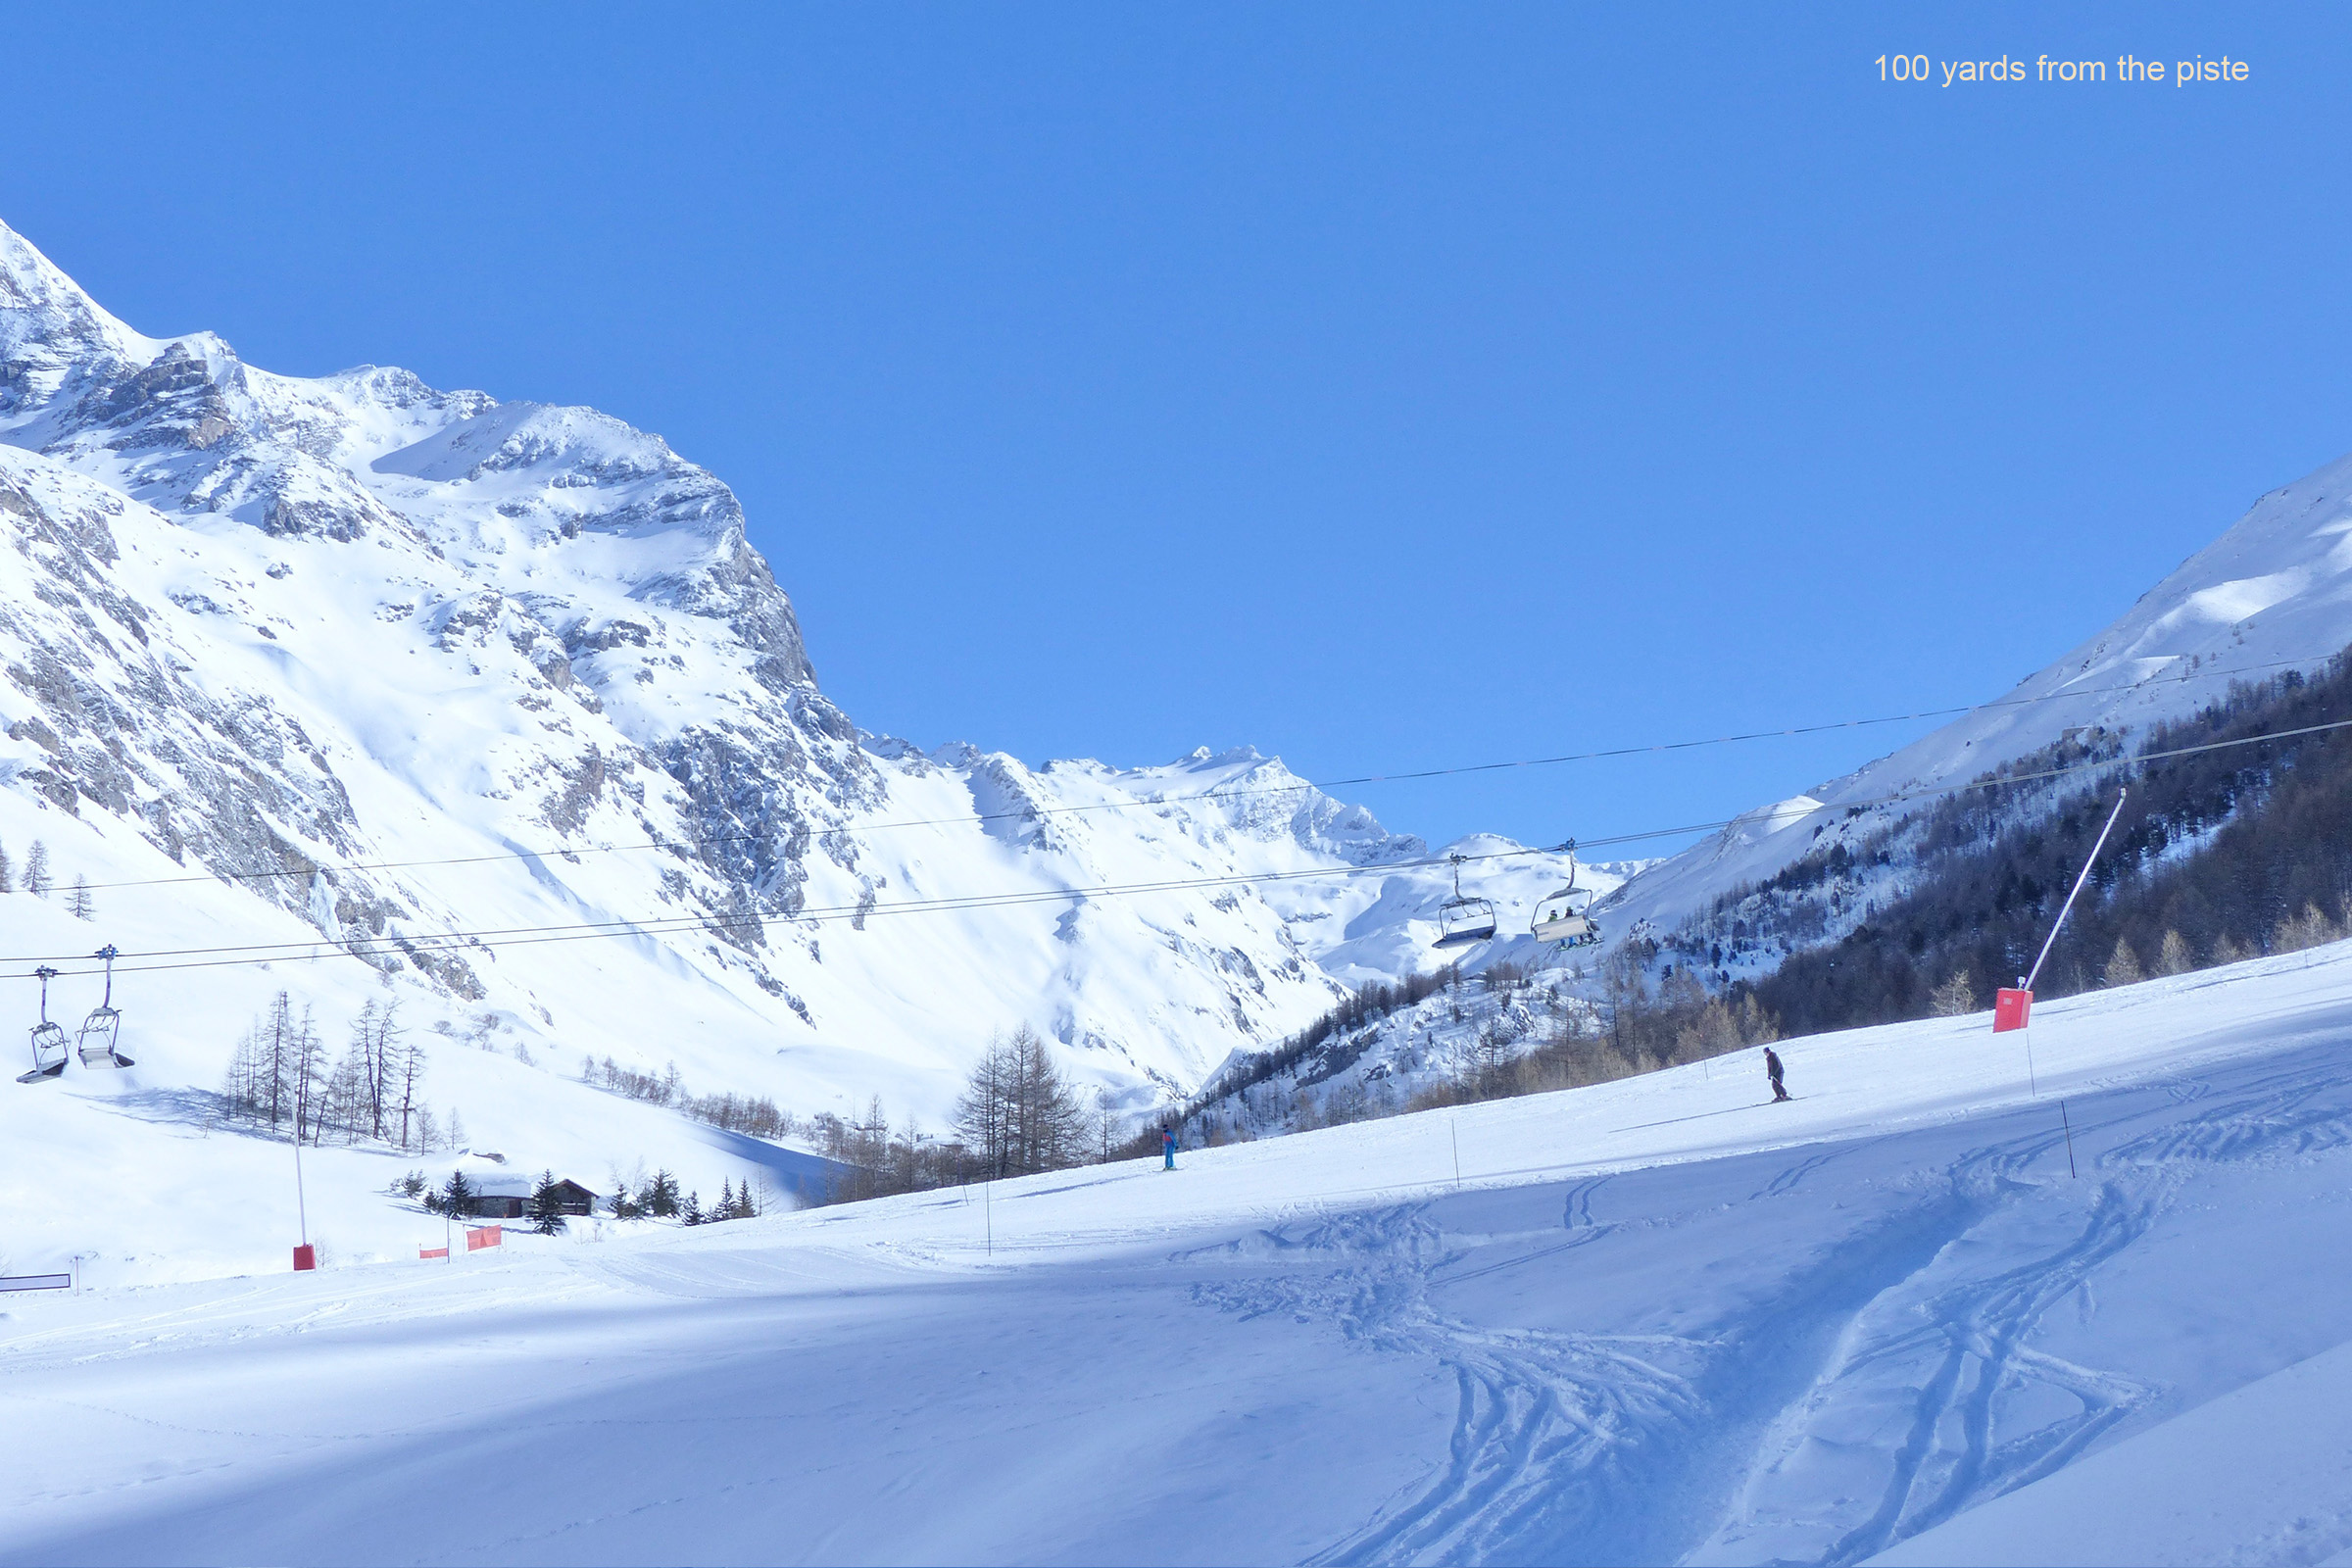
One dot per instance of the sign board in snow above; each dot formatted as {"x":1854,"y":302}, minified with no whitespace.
{"x":36,"y":1282}
{"x":2010,"y":1008}
{"x":478,"y":1237}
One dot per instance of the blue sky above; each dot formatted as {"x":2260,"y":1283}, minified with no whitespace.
{"x":1387,"y":387}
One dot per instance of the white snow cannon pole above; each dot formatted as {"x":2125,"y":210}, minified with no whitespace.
{"x":2027,"y":985}
{"x":305,"y":1256}
{"x":2013,"y":1009}
{"x":2068,"y":906}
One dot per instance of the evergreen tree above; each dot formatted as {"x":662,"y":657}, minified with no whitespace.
{"x":37,"y":869}
{"x":692,"y":1214}
{"x":8,"y":880}
{"x":456,"y":1195}
{"x":546,"y":1211}
{"x":78,"y":903}
{"x":726,"y":1201}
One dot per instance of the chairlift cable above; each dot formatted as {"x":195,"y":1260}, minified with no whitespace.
{"x":520,"y":935}
{"x":1208,"y":795}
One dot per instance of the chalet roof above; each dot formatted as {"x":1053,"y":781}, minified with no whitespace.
{"x":513,"y":1184}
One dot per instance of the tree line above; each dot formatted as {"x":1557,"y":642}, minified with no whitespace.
{"x":37,"y":878}
{"x":1017,"y":1115}
{"x":753,"y":1115}
{"x":2217,"y":857}
{"x":279,"y":1081}
{"x":657,"y":1197}
{"x":1513,"y":1031}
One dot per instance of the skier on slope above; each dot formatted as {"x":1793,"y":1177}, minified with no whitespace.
{"x":1772,"y":1070}
{"x":1167,"y":1147}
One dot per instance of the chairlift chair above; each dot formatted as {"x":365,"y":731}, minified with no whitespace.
{"x":1565,"y":916}
{"x":1462,"y":920}
{"x":103,"y":1028}
{"x":49,"y":1047}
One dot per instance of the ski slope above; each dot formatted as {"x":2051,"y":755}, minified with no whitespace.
{"x":1650,"y":1321}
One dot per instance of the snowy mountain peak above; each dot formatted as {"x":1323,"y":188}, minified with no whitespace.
{"x":49,"y":327}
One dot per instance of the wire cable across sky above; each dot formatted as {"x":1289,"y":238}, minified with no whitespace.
{"x":687,"y":844}
{"x":250,"y":954}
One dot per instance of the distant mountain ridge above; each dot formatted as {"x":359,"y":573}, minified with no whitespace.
{"x":2271,"y":594}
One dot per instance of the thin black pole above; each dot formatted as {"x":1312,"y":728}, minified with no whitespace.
{"x":2065,"y":1122}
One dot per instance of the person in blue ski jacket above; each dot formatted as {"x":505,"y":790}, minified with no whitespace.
{"x":1167,"y":1147}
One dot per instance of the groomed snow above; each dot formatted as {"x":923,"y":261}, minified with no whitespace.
{"x":1655,"y":1320}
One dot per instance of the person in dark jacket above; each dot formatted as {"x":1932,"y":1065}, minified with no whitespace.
{"x":1772,"y":1070}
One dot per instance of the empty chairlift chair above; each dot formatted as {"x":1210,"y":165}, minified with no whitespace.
{"x":102,"y":1030}
{"x":1462,"y":920}
{"x":49,"y":1046}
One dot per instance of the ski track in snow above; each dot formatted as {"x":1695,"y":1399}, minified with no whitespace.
{"x":1550,"y":1427}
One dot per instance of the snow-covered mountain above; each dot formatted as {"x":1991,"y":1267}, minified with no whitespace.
{"x":492,"y":703}
{"x":2272,"y":593}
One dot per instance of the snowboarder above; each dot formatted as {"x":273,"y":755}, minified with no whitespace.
{"x":1772,"y":1070}
{"x":1167,"y":1147}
